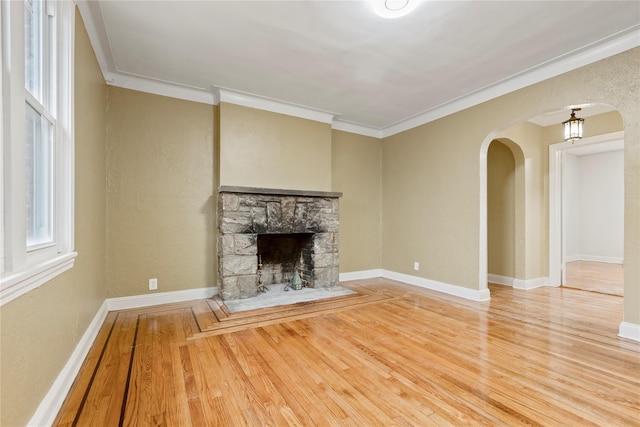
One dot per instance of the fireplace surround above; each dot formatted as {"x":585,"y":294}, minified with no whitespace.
{"x":285,"y":229}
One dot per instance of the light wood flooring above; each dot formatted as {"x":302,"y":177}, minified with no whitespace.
{"x":393,"y":355}
{"x":595,"y":277}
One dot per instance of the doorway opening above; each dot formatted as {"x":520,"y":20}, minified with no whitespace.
{"x":586,"y":189}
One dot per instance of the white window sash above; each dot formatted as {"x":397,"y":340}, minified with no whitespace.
{"x":22,"y":269}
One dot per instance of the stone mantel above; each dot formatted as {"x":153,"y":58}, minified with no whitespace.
{"x":278,"y":192}
{"x":246,"y":213}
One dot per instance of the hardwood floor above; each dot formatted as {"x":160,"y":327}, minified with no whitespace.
{"x":595,"y":277}
{"x":394,"y":355}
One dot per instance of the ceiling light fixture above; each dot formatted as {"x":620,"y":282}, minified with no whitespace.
{"x":573,"y":127}
{"x":394,"y":8}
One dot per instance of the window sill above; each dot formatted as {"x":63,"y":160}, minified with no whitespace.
{"x":14,"y":285}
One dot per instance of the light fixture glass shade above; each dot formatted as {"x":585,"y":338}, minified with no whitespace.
{"x":393,"y":8}
{"x":573,"y":127}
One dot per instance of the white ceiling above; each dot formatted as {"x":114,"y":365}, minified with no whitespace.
{"x":373,"y":75}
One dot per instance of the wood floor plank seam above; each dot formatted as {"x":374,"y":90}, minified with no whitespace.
{"x":95,"y":370}
{"x":131,"y":360}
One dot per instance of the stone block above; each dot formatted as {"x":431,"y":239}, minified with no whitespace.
{"x":229,"y":202}
{"x":300,"y":218}
{"x":248,"y":286}
{"x":235,"y":222}
{"x":288,"y":208}
{"x":323,"y":260}
{"x":274,"y":217}
{"x":325,"y":243}
{"x":236,"y":265}
{"x":226,"y":244}
{"x":259,"y":219}
{"x":330,"y":222}
{"x":229,"y":288}
{"x":245,"y":244}
{"x":322,"y":277}
{"x":323,"y":205}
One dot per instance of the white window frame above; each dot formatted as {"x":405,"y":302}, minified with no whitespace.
{"x":23,"y":269}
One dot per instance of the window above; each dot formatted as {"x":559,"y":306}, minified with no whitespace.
{"x":37,"y":144}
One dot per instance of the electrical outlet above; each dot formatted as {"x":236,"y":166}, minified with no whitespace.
{"x":153,"y":284}
{"x":416,"y":266}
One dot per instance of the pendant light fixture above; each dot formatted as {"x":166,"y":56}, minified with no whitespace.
{"x":573,"y":127}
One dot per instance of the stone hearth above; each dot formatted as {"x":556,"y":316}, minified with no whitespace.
{"x":306,"y":222}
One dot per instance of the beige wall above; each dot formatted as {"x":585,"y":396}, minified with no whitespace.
{"x":433,"y":173}
{"x":160,"y":193}
{"x":270,"y":150}
{"x":356,"y":172}
{"x":40,"y":330}
{"x":430,"y":201}
{"x":501,"y":210}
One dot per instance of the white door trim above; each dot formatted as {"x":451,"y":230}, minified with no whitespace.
{"x":556,"y":255}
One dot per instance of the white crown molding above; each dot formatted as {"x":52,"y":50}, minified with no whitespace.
{"x":357,"y":129}
{"x":614,"y":45}
{"x":94,"y":23}
{"x":91,"y":13}
{"x":48,"y":409}
{"x":159,"y":87}
{"x":273,"y":105}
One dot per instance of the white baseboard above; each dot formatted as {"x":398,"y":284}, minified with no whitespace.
{"x":522,"y":284}
{"x":49,"y":406}
{"x":527,"y":284}
{"x":48,"y":409}
{"x":360,"y":275}
{"x":629,"y":330}
{"x":596,"y":258}
{"x":458,"y":291}
{"x":500,"y":280}
{"x":137,"y":301}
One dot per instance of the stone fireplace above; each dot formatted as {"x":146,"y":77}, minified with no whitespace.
{"x":284,"y":229}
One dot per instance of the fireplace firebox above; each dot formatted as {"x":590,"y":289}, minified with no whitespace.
{"x":286,"y":230}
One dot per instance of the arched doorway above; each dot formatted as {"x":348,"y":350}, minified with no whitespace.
{"x":538,"y":249}
{"x":505,"y":212}
{"x":523,"y":140}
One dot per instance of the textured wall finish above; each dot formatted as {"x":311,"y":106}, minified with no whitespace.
{"x":270,"y":150}
{"x":160,"y":193}
{"x":357,"y":173}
